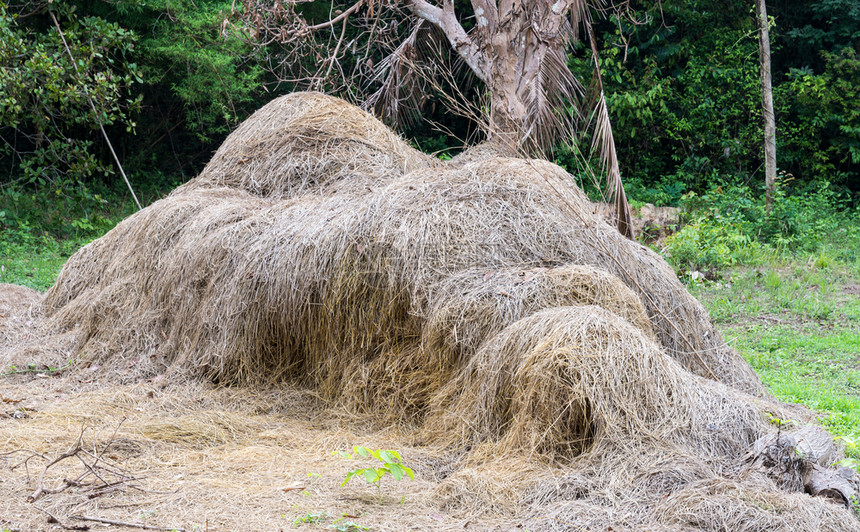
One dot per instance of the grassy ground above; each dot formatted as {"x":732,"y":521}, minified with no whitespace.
{"x":798,"y":324}
{"x":37,"y":263}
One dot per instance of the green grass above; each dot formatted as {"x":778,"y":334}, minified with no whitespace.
{"x":798,"y":325}
{"x":35,"y":264}
{"x":38,"y":233}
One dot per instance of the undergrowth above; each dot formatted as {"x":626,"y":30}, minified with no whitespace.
{"x":728,"y":226}
{"x":784,"y":290}
{"x":798,"y":325}
{"x":40,"y":230}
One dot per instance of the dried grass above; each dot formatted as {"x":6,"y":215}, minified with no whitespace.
{"x":481,"y":306}
{"x":304,"y":143}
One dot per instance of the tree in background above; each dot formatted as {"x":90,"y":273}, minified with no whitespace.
{"x":517,"y":50}
{"x":168,"y":81}
{"x":199,"y":80}
{"x":767,"y":104}
{"x":684,"y":90}
{"x":50,"y":106}
{"x":819,"y":87}
{"x":680,"y":80}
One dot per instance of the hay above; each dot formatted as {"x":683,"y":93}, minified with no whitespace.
{"x":238,"y":475}
{"x":304,"y":142}
{"x":481,"y":304}
{"x":16,"y":317}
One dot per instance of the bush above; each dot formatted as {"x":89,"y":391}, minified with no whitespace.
{"x":729,"y":225}
{"x":710,"y":243}
{"x":51,"y":107}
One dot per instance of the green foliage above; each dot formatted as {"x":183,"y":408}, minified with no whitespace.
{"x":729,"y":225}
{"x":391,"y":465}
{"x":33,"y":261}
{"x":852,"y":449}
{"x":709,"y":243}
{"x":682,"y":85}
{"x":820,"y":132}
{"x":310,"y":518}
{"x":800,"y":331}
{"x":48,"y":127}
{"x":189,"y":57}
{"x":348,"y":526}
{"x":815,"y":25}
{"x":437,"y":145}
{"x":684,"y":99}
{"x":166,"y":78}
{"x":40,"y":231}
{"x":780,"y":423}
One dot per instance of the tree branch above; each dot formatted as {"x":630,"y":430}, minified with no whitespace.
{"x":486,"y":14}
{"x":336,"y":19}
{"x":445,"y":20}
{"x":124,"y":523}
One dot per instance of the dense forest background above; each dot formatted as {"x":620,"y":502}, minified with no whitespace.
{"x":169,"y":79}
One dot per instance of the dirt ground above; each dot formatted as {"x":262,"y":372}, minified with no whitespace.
{"x":195,"y":457}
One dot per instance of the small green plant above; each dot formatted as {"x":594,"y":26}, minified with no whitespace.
{"x":852,"y":450}
{"x":855,"y":505}
{"x":310,"y":518}
{"x":33,"y":368}
{"x":347,"y":526}
{"x":391,"y":465}
{"x":780,"y":423}
{"x":823,"y":260}
{"x":772,"y":280}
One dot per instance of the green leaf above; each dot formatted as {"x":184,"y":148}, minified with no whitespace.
{"x":396,"y":471}
{"x":363,"y":451}
{"x":349,"y":476}
{"x":372,"y":475}
{"x":389,"y":456}
{"x":408,"y":471}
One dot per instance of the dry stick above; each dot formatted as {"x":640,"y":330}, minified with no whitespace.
{"x":97,"y":456}
{"x":96,"y":113}
{"x":54,"y":519}
{"x":32,"y":452}
{"x":103,"y":490}
{"x":41,"y":489}
{"x":124,"y":523}
{"x":336,"y":49}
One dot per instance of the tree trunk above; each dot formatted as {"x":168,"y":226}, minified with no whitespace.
{"x":507,"y":110}
{"x":767,"y":105}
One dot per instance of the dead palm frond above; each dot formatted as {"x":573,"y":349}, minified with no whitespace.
{"x":553,"y":101}
{"x":421,"y":66}
{"x":603,"y":144}
{"x":402,"y":90}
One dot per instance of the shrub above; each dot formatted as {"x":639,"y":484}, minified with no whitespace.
{"x":710,"y":243}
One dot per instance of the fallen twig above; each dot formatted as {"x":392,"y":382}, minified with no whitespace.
{"x":80,"y":453}
{"x":41,"y":489}
{"x":98,"y":491}
{"x":54,"y":519}
{"x":124,"y":523}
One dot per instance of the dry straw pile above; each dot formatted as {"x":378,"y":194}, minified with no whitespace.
{"x":481,"y":302}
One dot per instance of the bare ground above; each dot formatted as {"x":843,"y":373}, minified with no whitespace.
{"x":193,"y":456}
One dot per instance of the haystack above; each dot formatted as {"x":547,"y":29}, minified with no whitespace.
{"x":298,"y":144}
{"x":482,"y":303}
